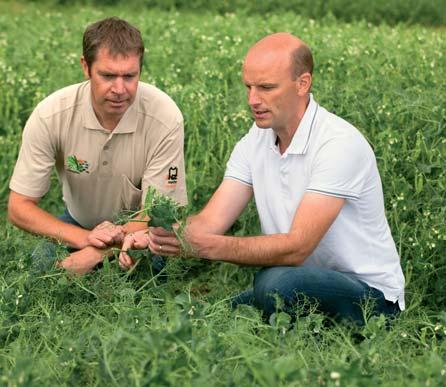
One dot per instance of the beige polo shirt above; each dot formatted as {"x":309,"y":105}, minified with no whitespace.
{"x":102,"y":172}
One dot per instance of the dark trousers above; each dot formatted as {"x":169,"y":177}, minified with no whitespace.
{"x":336,"y":294}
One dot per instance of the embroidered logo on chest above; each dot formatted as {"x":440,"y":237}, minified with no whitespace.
{"x":76,"y":165}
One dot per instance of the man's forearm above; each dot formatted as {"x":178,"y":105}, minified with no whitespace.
{"x":207,"y":240}
{"x":266,"y":250}
{"x":84,"y":260}
{"x":29,"y":217}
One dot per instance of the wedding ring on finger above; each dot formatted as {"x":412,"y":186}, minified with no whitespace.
{"x":160,"y":247}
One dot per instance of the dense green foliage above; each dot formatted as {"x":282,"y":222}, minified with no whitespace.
{"x":429,"y":12}
{"x":131,"y":328}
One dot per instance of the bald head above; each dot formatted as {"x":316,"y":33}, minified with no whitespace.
{"x":277,"y":76}
{"x":283,"y":46}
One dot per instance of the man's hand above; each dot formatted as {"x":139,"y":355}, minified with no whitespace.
{"x":163,"y":242}
{"x":105,"y":234}
{"x":134,"y":240}
{"x":83,"y":261}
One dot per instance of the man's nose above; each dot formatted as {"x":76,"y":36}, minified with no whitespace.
{"x":253,"y":97}
{"x":118,"y":86}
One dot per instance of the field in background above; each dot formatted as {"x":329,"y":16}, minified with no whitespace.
{"x":115,"y":328}
{"x":426,"y":12}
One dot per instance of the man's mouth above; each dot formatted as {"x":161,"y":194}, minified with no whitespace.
{"x":117,"y":102}
{"x":259,"y":114}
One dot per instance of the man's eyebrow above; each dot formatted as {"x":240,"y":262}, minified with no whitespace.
{"x":264,"y":84}
{"x":104,"y":72}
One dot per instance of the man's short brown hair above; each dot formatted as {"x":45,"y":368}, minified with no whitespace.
{"x":117,"y":35}
{"x":301,"y":61}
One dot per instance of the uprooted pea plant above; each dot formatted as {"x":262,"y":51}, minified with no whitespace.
{"x":163,"y":211}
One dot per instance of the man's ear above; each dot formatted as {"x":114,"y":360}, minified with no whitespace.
{"x":85,"y":68}
{"x":303,"y":84}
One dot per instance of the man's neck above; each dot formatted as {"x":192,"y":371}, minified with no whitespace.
{"x":285,"y":135}
{"x":107,"y":122}
{"x":284,"y":138}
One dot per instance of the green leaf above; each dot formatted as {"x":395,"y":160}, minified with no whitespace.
{"x":162,"y":210}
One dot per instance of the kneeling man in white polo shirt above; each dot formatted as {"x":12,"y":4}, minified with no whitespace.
{"x":318,"y":194}
{"x":109,"y":138}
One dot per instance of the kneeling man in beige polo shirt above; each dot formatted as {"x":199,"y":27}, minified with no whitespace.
{"x":109,"y":138}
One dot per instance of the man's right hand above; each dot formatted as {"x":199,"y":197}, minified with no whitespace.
{"x":106,"y":234}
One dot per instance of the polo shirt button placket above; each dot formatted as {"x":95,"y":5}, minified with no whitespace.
{"x":284,"y":186}
{"x":105,"y":164}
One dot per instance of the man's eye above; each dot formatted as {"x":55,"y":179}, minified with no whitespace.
{"x":107,"y":76}
{"x":129,"y":77}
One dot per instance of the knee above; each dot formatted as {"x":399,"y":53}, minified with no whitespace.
{"x":264,"y":288}
{"x":274,"y":286}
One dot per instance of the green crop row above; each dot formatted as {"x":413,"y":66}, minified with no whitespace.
{"x":115,"y":328}
{"x":428,"y":12}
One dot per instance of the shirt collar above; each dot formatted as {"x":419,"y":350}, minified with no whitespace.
{"x":301,"y":139}
{"x":127,"y":124}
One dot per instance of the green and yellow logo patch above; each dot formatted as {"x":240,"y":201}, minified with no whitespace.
{"x":76,"y":165}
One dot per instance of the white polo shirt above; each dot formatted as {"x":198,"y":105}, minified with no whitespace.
{"x":327,"y":155}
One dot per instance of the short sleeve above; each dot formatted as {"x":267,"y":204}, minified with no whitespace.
{"x":165,"y":171}
{"x":341,"y":166}
{"x":238,"y":166}
{"x":32,"y":172}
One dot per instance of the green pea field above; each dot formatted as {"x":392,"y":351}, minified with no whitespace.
{"x":116,"y":328}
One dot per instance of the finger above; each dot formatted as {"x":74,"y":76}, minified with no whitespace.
{"x":141,"y":243}
{"x":104,"y":225}
{"x":121,"y":260}
{"x":140,"y":237}
{"x":96,"y":243}
{"x":103,"y":236}
{"x":125,"y":260}
{"x":168,"y":241}
{"x":128,"y":242}
{"x":118,"y":236}
{"x":164,"y":249}
{"x":161,"y":232}
{"x":122,"y":233}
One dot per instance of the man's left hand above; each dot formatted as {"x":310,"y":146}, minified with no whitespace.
{"x":84,"y":260}
{"x":105,"y":234}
